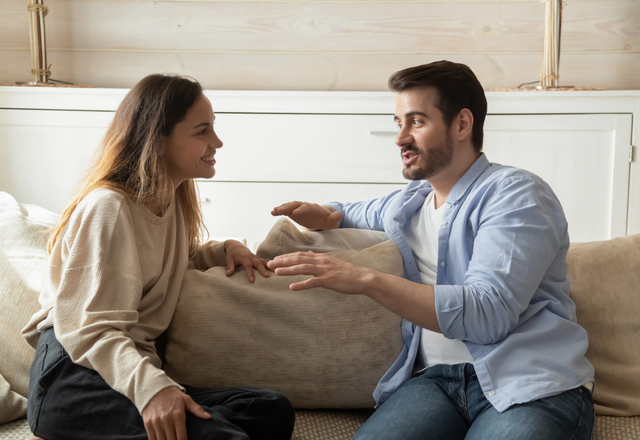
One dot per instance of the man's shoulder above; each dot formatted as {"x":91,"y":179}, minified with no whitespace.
{"x":505,"y":175}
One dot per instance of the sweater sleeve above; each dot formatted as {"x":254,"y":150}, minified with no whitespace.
{"x":97,"y":301}
{"x":209,"y":255}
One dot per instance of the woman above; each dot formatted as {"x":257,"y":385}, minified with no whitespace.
{"x":118,"y":256}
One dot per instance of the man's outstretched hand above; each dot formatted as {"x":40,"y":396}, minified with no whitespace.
{"x":310,"y":215}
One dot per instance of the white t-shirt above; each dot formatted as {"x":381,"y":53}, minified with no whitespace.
{"x":422,"y":235}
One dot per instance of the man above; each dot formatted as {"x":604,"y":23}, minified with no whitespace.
{"x":492,"y":346}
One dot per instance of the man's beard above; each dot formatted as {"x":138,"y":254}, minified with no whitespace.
{"x":434,"y":160}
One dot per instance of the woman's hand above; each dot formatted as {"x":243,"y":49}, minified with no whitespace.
{"x":239,"y":255}
{"x":164,"y":416}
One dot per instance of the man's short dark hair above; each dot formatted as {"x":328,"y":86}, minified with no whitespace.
{"x":457,"y":88}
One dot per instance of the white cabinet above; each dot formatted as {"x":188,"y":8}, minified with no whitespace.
{"x":307,"y":148}
{"x":43,"y":153}
{"x":584,"y":158}
{"x":325,"y":146}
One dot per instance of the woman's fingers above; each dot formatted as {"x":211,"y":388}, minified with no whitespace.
{"x":195,"y":409}
{"x":239,"y":255}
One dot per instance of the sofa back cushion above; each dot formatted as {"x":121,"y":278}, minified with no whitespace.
{"x":605,"y":285}
{"x":320,"y":348}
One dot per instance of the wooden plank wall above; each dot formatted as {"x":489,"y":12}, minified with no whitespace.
{"x":320,"y":45}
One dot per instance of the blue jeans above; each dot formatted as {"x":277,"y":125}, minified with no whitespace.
{"x":447,"y":403}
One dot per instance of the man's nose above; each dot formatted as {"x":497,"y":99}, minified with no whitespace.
{"x":404,"y":137}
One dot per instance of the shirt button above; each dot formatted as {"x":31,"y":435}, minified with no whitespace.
{"x":444,"y":223}
{"x":491,"y":393}
{"x":442,"y":263}
{"x":449,"y":206}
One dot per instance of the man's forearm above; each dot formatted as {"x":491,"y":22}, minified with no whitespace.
{"x":412,"y":301}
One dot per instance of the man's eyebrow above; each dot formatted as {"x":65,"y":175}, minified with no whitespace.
{"x":409,"y":114}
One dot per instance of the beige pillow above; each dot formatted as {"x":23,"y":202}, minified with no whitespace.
{"x":284,"y":237}
{"x":320,"y":348}
{"x":605,"y":285}
{"x":23,"y":266}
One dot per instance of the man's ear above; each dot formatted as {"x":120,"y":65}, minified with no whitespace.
{"x":464,"y":124}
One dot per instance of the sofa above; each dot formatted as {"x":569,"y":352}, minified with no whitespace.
{"x":324,"y":350}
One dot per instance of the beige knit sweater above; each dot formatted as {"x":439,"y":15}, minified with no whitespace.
{"x":113,"y":285}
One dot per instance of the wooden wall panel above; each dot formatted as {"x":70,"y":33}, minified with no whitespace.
{"x":256,"y":72}
{"x":305,"y":45}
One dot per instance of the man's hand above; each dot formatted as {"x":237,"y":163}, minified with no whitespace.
{"x":328,"y":272}
{"x":412,"y":301}
{"x":164,"y":416}
{"x":239,"y":255}
{"x":310,"y":215}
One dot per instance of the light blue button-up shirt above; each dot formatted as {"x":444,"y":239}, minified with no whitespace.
{"x":502,"y":285}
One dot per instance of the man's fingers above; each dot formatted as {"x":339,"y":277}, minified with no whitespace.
{"x":306,"y":284}
{"x":293,"y":259}
{"x":335,"y":217}
{"x":286,"y":208}
{"x":299,"y":269}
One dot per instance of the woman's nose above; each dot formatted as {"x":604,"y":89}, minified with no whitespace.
{"x":216,"y":142}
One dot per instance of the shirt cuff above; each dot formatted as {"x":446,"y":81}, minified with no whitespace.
{"x":449,"y":304}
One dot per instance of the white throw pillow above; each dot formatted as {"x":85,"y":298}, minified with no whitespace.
{"x":23,"y":266}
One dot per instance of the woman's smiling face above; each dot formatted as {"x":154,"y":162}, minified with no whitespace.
{"x":190,"y":147}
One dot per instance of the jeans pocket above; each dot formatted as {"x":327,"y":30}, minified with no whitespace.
{"x":37,"y":394}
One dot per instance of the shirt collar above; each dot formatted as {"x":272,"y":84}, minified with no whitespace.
{"x":462,"y":186}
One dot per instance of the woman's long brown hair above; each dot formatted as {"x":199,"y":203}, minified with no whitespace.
{"x":128,"y":159}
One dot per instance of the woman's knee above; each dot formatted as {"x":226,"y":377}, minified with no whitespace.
{"x":276,"y":413}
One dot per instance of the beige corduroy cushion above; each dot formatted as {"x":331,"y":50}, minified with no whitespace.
{"x":23,"y":266}
{"x":605,"y":285}
{"x":320,"y":348}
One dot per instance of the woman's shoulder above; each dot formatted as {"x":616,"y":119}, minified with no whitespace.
{"x":104,"y":195}
{"x":104,"y":204}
